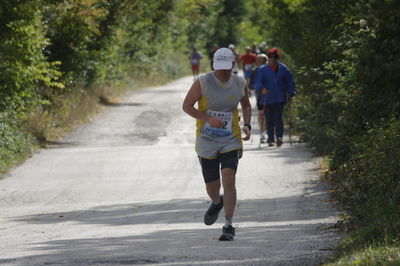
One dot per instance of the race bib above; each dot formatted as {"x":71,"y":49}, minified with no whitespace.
{"x":248,"y":67}
{"x":224,"y":131}
{"x":195,"y":61}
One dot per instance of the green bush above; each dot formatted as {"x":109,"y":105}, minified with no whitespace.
{"x":346,"y":59}
{"x":369,"y":182}
{"x":57,"y":56}
{"x":26,"y":73}
{"x":15,"y":144}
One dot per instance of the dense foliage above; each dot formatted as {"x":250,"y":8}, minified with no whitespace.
{"x":56,"y":56}
{"x":346,"y":56}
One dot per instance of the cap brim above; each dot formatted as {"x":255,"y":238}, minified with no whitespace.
{"x":222,"y":65}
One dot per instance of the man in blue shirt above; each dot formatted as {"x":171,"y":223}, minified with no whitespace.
{"x":275,"y":81}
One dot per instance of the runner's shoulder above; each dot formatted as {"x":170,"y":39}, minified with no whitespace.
{"x":205,"y":75}
{"x":202,"y":79}
{"x":242,"y":81}
{"x":283,"y":66}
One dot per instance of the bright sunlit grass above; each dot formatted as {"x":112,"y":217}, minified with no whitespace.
{"x":371,"y":255}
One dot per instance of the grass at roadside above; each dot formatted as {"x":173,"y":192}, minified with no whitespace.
{"x":376,"y":254}
{"x":359,"y":247}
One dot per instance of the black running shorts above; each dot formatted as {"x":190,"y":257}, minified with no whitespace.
{"x":210,"y":167}
{"x":260,"y":106}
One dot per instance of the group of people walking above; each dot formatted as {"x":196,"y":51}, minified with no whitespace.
{"x":269,"y":79}
{"x":218,"y":134}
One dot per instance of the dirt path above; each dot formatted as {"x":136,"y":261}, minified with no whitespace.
{"x":127,"y":189}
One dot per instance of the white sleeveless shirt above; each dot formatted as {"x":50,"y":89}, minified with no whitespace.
{"x":219,"y":99}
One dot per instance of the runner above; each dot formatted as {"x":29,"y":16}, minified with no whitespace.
{"x":248,"y":59}
{"x":218,"y":135}
{"x":277,"y":81}
{"x":235,"y":68}
{"x":260,"y":95}
{"x":194,"y":58}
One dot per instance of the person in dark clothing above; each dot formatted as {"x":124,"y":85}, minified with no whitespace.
{"x":275,"y":80}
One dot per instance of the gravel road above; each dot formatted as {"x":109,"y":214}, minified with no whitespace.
{"x":127,"y":189}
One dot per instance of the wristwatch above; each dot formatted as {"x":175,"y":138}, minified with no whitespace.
{"x":247,"y":125}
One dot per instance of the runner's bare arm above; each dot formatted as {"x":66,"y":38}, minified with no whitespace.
{"x":193,"y":96}
{"x":246,"y":108}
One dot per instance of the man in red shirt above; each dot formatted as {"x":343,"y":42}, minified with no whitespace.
{"x":248,"y":60}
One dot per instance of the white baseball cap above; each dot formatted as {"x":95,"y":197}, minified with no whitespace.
{"x":223,"y":59}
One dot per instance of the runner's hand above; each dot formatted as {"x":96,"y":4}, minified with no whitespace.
{"x":247,"y":132}
{"x":215,"y":122}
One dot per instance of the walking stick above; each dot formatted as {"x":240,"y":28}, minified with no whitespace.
{"x":290,"y":123}
{"x":264,"y":124}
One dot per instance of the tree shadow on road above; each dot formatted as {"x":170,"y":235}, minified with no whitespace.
{"x":294,"y":154}
{"x":273,"y":245}
{"x":188,"y":211}
{"x":296,"y":230}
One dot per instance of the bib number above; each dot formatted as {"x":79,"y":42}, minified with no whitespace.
{"x":225,"y":130}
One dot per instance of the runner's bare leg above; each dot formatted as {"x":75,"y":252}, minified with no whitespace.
{"x":228,"y":182}
{"x":213,"y":189}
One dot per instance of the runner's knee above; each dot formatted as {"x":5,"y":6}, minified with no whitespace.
{"x":228,"y":179}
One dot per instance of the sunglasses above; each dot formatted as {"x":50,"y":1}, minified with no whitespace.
{"x":273,"y":56}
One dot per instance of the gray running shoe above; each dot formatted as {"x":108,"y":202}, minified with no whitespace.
{"x":262,"y":139}
{"x":211,"y":214}
{"x":228,"y":233}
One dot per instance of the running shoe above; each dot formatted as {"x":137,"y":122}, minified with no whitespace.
{"x":262,"y":139}
{"x":228,"y":233}
{"x":211,"y":214}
